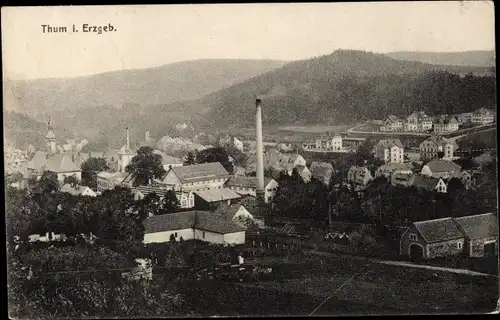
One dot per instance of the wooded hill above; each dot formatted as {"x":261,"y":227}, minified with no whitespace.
{"x":349,"y":86}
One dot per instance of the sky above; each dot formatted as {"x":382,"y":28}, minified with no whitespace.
{"x":149,"y":36}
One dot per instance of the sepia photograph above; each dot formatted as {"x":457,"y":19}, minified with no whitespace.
{"x":250,"y":160}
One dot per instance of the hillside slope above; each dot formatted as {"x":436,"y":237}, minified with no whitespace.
{"x":349,"y":86}
{"x":465,"y":58}
{"x":161,"y":85}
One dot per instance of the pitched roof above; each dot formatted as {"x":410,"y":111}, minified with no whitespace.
{"x":191,"y":219}
{"x":389,"y":143}
{"x":394,"y":166}
{"x":215,"y":195}
{"x":393,"y":118}
{"x":200,"y":172}
{"x":440,"y":141}
{"x":424,"y":182}
{"x":439,"y":230}
{"x":479,"y":226}
{"x":168,"y":159}
{"x":61,"y":163}
{"x":441,"y":165}
{"x":73,"y":190}
{"x":38,"y":161}
{"x":228,"y":211}
{"x":246,"y":182}
{"x":447,"y":120}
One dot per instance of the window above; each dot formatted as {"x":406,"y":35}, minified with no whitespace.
{"x":413,"y":237}
{"x":459,"y":245}
{"x":203,"y":234}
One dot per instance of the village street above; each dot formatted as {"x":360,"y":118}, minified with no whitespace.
{"x":399,"y":263}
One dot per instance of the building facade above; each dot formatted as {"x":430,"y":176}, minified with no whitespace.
{"x":390,"y":151}
{"x":430,"y":147}
{"x":482,"y":116}
{"x":446,"y":125}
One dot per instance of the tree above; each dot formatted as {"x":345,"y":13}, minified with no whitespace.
{"x":47,"y":184}
{"x":145,"y":166}
{"x":169,"y":203}
{"x":216,"y":155}
{"x":71,"y":180}
{"x":90,"y":168}
{"x":455,"y":184}
{"x":190,"y":158}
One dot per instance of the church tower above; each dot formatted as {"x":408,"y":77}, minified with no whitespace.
{"x":125,"y":154}
{"x":50,"y":140}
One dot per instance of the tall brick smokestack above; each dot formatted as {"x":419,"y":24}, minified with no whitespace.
{"x":260,"y":153}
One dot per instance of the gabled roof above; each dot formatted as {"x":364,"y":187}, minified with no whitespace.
{"x":246,"y":182}
{"x":394,"y":166}
{"x":60,"y":163}
{"x":440,"y":141}
{"x":228,"y":211}
{"x":201,"y":220}
{"x":389,"y":143}
{"x":200,"y":172}
{"x":424,"y":182}
{"x":215,"y":195}
{"x":441,"y":165}
{"x":74,"y":190}
{"x":393,"y":118}
{"x":168,"y":159}
{"x":439,"y":230}
{"x":479,"y":226}
{"x":38,"y":161}
{"x":447,"y":120}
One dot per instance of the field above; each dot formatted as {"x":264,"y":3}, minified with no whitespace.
{"x":303,"y":282}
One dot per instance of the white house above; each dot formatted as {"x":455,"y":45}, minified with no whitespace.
{"x":245,"y":185}
{"x":63,"y":166}
{"x":392,"y":123}
{"x":390,"y":150}
{"x":446,"y":124}
{"x":430,"y":147}
{"x":189,"y":225}
{"x":482,"y":116}
{"x":418,"y":121}
{"x":196,"y":177}
{"x":440,"y":168}
{"x":239,"y":214}
{"x":387,"y":170}
{"x":78,"y":190}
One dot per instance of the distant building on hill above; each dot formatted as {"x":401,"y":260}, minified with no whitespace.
{"x":445,"y":125}
{"x":392,"y":124}
{"x":418,"y":121}
{"x":482,"y":116}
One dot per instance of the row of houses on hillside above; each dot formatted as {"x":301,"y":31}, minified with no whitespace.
{"x":474,"y":236}
{"x":418,"y":121}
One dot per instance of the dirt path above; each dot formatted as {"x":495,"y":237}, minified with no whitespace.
{"x":401,"y":263}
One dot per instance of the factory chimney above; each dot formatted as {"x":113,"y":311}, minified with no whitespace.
{"x":128,"y":139}
{"x":260,"y":155}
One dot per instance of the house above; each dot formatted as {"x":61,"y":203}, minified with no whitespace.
{"x":463,"y":118}
{"x":196,"y":177}
{"x":239,"y":214}
{"x":392,"y":123}
{"x":431,"y":239}
{"x":290,"y":161}
{"x":205,"y":226}
{"x":210,"y":199}
{"x":429,"y":183}
{"x":481,"y":234}
{"x":109,"y":180}
{"x":322,"y":171}
{"x":466,"y":178}
{"x":78,"y":190}
{"x":352,"y":143}
{"x":441,"y":168}
{"x":168,"y":162}
{"x":390,"y":150}
{"x":186,"y":199}
{"x":244,"y":185}
{"x":333,"y":144}
{"x":445,"y":125}
{"x":63,"y":166}
{"x":387,"y":170}
{"x":430,"y":147}
{"x":360,"y":177}
{"x":482,"y":116}
{"x":418,"y":121}
{"x":304,"y":173}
